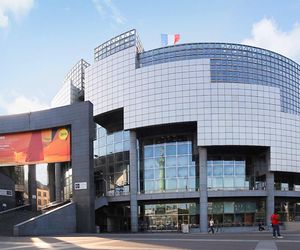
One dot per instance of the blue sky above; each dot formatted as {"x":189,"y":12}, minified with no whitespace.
{"x":40,"y":40}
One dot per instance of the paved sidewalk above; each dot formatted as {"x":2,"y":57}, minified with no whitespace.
{"x":151,"y":241}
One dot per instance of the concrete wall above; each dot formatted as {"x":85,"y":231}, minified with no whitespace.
{"x":61,"y":220}
{"x":7,"y":183}
{"x":79,"y":117}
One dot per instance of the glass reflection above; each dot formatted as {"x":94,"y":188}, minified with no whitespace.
{"x":161,"y":217}
{"x":226,"y":174}
{"x":237,"y":213}
{"x":42,"y":186}
{"x":167,"y":162}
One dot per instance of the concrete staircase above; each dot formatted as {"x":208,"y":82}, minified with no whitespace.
{"x":14,"y":216}
{"x":100,"y":202}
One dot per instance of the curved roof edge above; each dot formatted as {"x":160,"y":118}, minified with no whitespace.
{"x":249,"y":47}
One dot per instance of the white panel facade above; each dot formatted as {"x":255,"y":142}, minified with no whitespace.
{"x":182,"y":91}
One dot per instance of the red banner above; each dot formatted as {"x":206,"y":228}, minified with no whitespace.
{"x":42,"y":146}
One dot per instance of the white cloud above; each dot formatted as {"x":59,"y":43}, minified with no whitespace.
{"x":15,"y":8}
{"x":22,"y":104}
{"x":108,"y":8}
{"x":267,"y":34}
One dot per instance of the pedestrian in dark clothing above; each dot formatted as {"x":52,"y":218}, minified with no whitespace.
{"x":260,"y":227}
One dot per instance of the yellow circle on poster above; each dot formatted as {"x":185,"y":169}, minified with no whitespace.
{"x":63,"y":134}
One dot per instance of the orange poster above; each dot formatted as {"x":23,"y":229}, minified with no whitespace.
{"x":42,"y":146}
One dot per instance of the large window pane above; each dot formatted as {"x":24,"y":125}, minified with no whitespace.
{"x":126,"y":146}
{"x":171,"y":150}
{"x":217,"y":182}
{"x":126,"y":135}
{"x":209,"y":170}
{"x":228,"y":207}
{"x":228,"y":170}
{"x":218,"y":170}
{"x":192,"y":171}
{"x":217,"y":208}
{"x":148,"y":151}
{"x":171,"y":184}
{"x":159,"y":185}
{"x":239,"y":170}
{"x":170,"y":172}
{"x":171,"y":161}
{"x":110,"y":149}
{"x":183,"y":160}
{"x":157,"y":173}
{"x":110,"y":139}
{"x":119,"y":147}
{"x":118,"y":136}
{"x":182,"y":183}
{"x":149,"y":174}
{"x":191,"y":183}
{"x":228,"y":182}
{"x":182,"y":172}
{"x":159,"y":150}
{"x":183,"y":148}
{"x":149,"y":163}
{"x":209,"y":182}
{"x":239,"y":182}
{"x":149,"y":185}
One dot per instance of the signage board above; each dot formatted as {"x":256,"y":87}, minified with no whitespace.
{"x":41,"y":146}
{"x":80,"y":185}
{"x":4,"y":192}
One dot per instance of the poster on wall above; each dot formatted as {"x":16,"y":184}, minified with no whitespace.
{"x":41,"y":146}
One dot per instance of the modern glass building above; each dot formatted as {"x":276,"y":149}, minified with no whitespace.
{"x":188,"y":132}
{"x":194,"y":131}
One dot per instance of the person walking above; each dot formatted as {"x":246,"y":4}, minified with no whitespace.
{"x":275,"y":225}
{"x":211,"y":226}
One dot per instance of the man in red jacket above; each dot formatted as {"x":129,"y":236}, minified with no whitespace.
{"x":275,"y":225}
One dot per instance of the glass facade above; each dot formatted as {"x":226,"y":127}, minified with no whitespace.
{"x":118,"y":43}
{"x":168,"y":216}
{"x":111,"y":153}
{"x":287,"y":181}
{"x":110,"y":143}
{"x":239,"y":64}
{"x":42,"y":185}
{"x":238,"y":132}
{"x":237,"y":213}
{"x":238,"y":173}
{"x":112,"y":174}
{"x":167,"y":165}
{"x":76,"y":74}
{"x":67,"y":181}
{"x":72,"y":90}
{"x":230,"y":175}
{"x":288,"y":209}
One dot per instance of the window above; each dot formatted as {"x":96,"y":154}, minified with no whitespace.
{"x":171,"y":159}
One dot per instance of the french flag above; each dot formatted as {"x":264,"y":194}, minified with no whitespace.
{"x":167,"y":39}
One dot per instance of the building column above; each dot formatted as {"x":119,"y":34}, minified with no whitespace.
{"x":270,"y":200}
{"x":203,"y":188}
{"x":133,"y":183}
{"x":58,"y":182}
{"x":51,"y":181}
{"x":32,"y":187}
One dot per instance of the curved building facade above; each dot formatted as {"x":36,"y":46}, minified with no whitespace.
{"x":194,"y":131}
